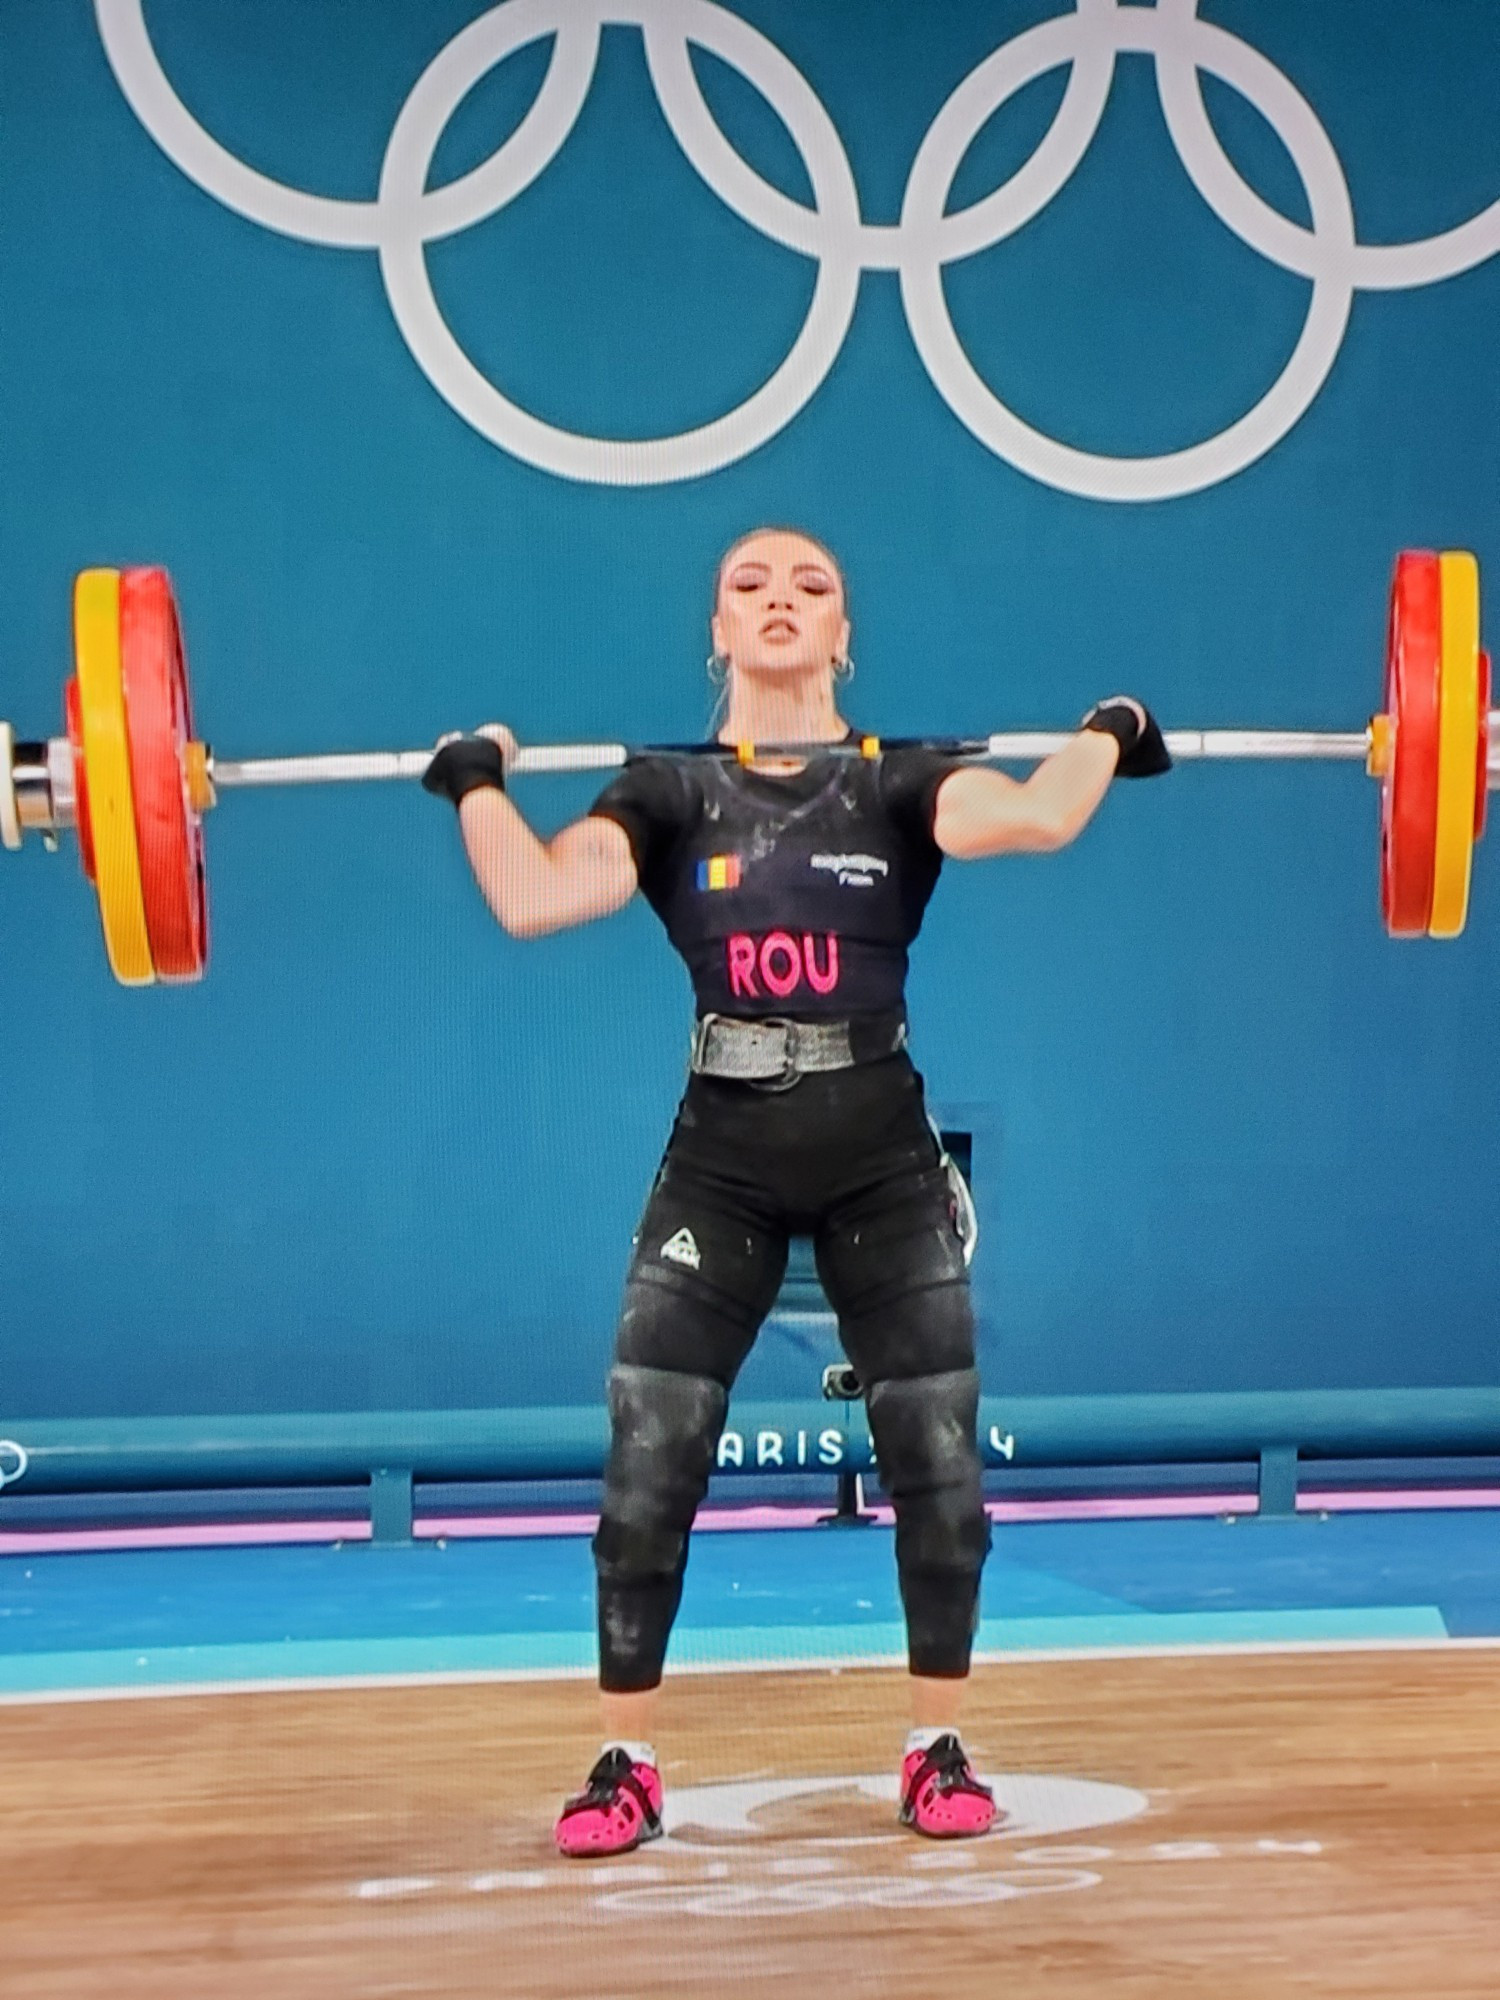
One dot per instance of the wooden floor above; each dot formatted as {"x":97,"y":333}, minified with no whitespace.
{"x":1294,"y":1824}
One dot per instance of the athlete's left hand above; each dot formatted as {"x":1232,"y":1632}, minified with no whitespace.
{"x":1143,"y":754}
{"x":462,"y":764}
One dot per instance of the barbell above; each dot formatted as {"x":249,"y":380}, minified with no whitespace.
{"x":133,"y":781}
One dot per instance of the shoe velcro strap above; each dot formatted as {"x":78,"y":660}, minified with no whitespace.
{"x":945,"y":1762}
{"x":629,"y":1782}
{"x":607,"y":1780}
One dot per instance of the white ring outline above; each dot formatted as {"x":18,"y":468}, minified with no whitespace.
{"x":327,"y":219}
{"x":1423,"y":260}
{"x":23,"y":1460}
{"x":1181,"y":42}
{"x":406,"y":215}
{"x":571,"y":454}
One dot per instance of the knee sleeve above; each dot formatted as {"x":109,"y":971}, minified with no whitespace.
{"x":664,"y":1431}
{"x":923,"y":1428}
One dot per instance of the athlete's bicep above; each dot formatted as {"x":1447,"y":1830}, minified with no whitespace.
{"x":978,"y":813}
{"x":593,"y":870}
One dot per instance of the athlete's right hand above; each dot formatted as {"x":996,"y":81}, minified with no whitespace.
{"x":464,"y":763}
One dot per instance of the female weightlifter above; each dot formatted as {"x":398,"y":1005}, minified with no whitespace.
{"x":792,"y":889}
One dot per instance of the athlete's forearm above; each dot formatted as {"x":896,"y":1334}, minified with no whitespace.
{"x":509,"y":861}
{"x":980,"y":813}
{"x":1065,"y":791}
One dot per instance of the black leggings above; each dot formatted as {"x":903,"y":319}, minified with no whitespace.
{"x":848,"y":1158}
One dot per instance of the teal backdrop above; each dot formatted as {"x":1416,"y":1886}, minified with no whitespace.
{"x":1226,"y":1135}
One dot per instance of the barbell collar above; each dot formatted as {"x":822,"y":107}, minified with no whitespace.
{"x":37,"y":807}
{"x":60,"y":783}
{"x":36,"y":788}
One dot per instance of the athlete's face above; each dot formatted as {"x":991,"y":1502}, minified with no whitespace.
{"x":781,"y":607}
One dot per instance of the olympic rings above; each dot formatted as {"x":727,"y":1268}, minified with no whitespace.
{"x":618,"y":462}
{"x":406,"y":215}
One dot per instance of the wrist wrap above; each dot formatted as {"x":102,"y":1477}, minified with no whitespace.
{"x":464,"y":766}
{"x":1143,"y":754}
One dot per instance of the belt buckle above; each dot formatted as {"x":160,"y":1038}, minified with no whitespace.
{"x":702,"y":1029}
{"x":791,"y":1039}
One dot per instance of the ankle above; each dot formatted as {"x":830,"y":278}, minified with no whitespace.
{"x":637,"y":1751}
{"x":919,"y":1741}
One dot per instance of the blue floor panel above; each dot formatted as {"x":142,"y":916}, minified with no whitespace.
{"x":162,"y":1616}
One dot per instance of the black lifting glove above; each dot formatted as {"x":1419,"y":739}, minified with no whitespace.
{"x":1143,"y":754}
{"x":463,"y":766}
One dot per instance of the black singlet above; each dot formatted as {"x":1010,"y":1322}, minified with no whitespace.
{"x":794,"y":895}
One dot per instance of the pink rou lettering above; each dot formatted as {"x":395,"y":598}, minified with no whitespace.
{"x":781,"y":964}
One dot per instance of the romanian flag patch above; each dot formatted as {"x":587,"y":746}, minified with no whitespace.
{"x":719,"y":871}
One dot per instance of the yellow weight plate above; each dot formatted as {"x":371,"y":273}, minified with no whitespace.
{"x":1459,"y":722}
{"x":106,"y":757}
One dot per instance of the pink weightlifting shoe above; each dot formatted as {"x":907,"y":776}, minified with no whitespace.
{"x":618,"y":1808}
{"x":940,"y":1795}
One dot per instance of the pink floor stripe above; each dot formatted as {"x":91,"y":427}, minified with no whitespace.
{"x":1414,"y":1500}
{"x":457,"y":1527}
{"x":477,"y":1527}
{"x":206,"y":1535}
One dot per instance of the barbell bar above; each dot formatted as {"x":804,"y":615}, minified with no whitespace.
{"x":133,"y":781}
{"x":1014,"y":747}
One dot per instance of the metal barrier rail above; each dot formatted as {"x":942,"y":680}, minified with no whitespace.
{"x":392,"y":1449}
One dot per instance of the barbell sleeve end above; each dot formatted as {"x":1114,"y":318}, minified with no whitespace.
{"x":10,"y":811}
{"x":36,"y":788}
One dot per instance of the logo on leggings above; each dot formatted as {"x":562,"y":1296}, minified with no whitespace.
{"x":682,"y":1249}
{"x":781,"y":963}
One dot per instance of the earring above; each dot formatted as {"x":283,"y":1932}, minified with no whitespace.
{"x":718,"y":668}
{"x":843,"y":670}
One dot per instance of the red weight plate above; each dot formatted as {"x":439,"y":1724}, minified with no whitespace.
{"x":1482,"y":789}
{"x":83,"y":825}
{"x":159,"y":722}
{"x":1408,"y":794}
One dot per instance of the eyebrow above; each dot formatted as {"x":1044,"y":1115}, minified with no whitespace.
{"x":798,"y":569}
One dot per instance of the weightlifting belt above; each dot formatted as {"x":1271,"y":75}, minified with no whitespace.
{"x":774,"y":1052}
